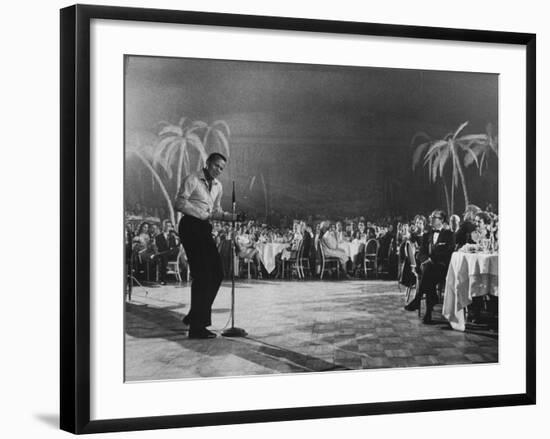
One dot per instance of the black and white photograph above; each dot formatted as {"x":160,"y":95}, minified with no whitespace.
{"x":275,"y":219}
{"x":285,"y":218}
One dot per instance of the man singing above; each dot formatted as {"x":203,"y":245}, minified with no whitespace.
{"x":199,"y":200}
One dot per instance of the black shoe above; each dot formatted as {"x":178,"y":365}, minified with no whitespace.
{"x":185,"y":322}
{"x":201,"y":333}
{"x":427,"y":320}
{"x":413,"y":306}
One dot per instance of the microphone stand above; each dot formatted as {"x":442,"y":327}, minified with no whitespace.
{"x":233,"y":331}
{"x":130,"y":279}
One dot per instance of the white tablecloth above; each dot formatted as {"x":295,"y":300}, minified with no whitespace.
{"x":352,"y":248}
{"x":268,"y":251}
{"x":470,"y":275}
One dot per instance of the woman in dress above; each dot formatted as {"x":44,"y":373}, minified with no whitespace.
{"x":329,"y":242}
{"x":144,"y":246}
{"x":483,"y":225}
{"x":407,"y":252}
{"x":245,"y":245}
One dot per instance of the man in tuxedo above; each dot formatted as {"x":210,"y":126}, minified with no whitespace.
{"x":435,"y":254}
{"x":167,"y":248}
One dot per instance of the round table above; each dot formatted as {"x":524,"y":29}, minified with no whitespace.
{"x":352,"y":248}
{"x":469,"y":275}
{"x":268,"y":251}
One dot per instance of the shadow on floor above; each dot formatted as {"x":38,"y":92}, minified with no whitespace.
{"x":146,"y":322}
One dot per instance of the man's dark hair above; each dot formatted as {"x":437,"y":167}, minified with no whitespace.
{"x":440,"y":214}
{"x":485,"y":217}
{"x":214,"y":156}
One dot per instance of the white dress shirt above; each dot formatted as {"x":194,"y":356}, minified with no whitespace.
{"x":199,"y":201}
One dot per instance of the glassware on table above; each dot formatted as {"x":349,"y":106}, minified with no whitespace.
{"x":485,"y":245}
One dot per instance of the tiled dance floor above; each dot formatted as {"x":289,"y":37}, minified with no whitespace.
{"x":293,"y":327}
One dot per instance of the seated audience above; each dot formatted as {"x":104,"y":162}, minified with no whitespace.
{"x":454,"y":223}
{"x":329,"y":242}
{"x":464,"y":233}
{"x":483,"y":225}
{"x":167,"y":248}
{"x":143,"y":246}
{"x":435,"y":254}
{"x":245,"y":245}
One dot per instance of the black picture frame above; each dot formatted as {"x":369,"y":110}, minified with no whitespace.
{"x":75,"y":217}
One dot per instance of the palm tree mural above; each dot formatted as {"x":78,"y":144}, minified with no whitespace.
{"x":456,"y":153}
{"x":180,"y":149}
{"x":264,"y":191}
{"x":145,"y":152}
{"x":484,"y":146}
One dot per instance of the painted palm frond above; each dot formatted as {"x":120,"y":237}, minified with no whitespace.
{"x":223,"y":140}
{"x":456,"y":166}
{"x":168,"y":158}
{"x":418,"y":153}
{"x":460,"y":128}
{"x":444,"y":156}
{"x":493,"y":144}
{"x":473,"y":138}
{"x":170,"y":130}
{"x":197,"y":125}
{"x":436,"y":147}
{"x":435,"y":166}
{"x":162,"y":146}
{"x":252,"y":180}
{"x":420,"y":135}
{"x":195,"y":141}
{"x":470,"y":153}
{"x":469,"y":159}
{"x":224,"y":125}
{"x":165,"y":152}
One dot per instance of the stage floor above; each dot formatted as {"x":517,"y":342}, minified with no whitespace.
{"x":293,"y":326}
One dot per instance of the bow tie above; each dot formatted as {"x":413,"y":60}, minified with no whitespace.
{"x":436,"y":231}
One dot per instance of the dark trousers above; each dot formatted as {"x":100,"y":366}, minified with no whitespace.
{"x":205,"y":266}
{"x":162,"y":263}
{"x":432,"y":274}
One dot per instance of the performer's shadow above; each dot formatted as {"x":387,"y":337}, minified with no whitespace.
{"x":146,"y":322}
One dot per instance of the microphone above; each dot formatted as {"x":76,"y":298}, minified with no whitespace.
{"x":234,"y":204}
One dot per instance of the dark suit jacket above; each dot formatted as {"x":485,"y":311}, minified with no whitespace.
{"x":441,"y":251}
{"x":464,"y":234}
{"x":307,"y":245}
{"x":164,"y":245}
{"x":418,"y":239}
